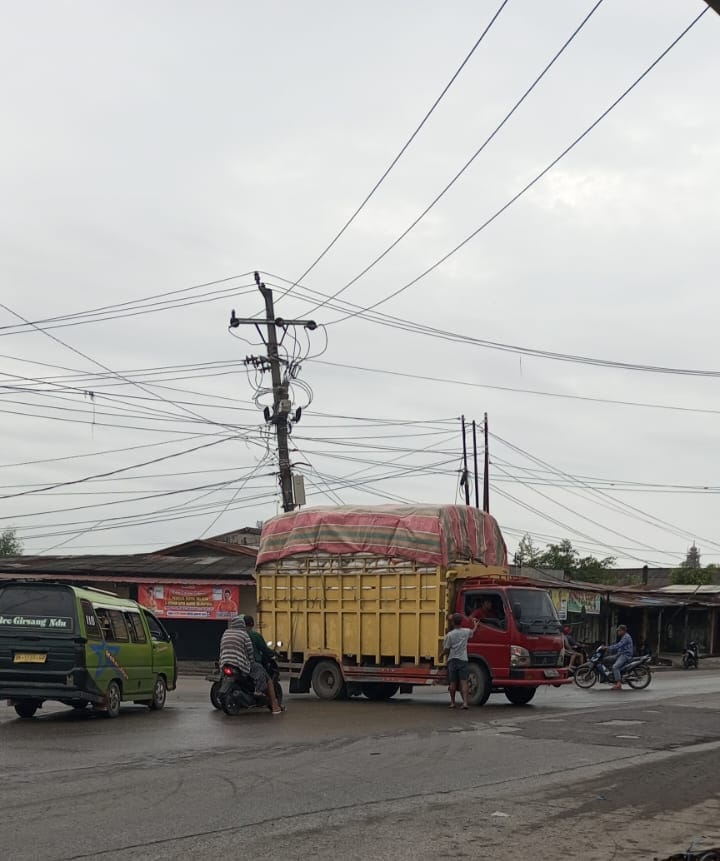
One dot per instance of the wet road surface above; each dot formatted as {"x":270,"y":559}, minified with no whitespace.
{"x":591,"y":771}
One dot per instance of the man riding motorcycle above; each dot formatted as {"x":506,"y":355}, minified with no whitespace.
{"x":236,"y":649}
{"x":624,"y":649}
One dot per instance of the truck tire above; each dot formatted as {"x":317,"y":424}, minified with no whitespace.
{"x":327,"y":681}
{"x":478,"y":684}
{"x":379,"y":690}
{"x":520,"y":696}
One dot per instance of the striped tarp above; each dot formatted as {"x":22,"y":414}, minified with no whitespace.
{"x":429,"y":534}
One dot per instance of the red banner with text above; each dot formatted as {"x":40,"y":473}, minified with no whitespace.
{"x":174,"y":601}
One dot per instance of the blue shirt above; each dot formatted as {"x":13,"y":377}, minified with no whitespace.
{"x":624,"y":646}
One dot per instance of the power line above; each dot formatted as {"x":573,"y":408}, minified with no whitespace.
{"x":78,"y":317}
{"x":562,"y":525}
{"x":115,"y":471}
{"x":462,"y":170}
{"x":514,"y":389}
{"x":624,"y":505}
{"x":529,"y":185}
{"x":105,"y":367}
{"x":415,"y":328}
{"x":400,"y":154}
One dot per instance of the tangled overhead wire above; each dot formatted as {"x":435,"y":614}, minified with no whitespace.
{"x":294,"y":348}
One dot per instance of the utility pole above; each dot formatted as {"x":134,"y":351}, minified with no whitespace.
{"x":475,"y":465}
{"x":282,"y":405}
{"x":486,"y":476}
{"x":464,"y":482}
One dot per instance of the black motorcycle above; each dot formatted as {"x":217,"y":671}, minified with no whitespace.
{"x":691,"y":657}
{"x":635,"y":673}
{"x":237,"y":691}
{"x":225,"y":678}
{"x":216,"y":678}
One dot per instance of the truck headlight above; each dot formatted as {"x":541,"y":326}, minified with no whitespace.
{"x":519,"y":656}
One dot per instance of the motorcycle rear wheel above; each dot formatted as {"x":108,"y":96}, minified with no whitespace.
{"x":585,"y":676}
{"x":639,"y":677}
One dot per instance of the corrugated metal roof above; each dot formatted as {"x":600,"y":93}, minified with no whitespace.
{"x":684,"y":589}
{"x":142,"y":565}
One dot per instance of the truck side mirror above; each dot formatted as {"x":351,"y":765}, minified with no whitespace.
{"x":517,"y":611}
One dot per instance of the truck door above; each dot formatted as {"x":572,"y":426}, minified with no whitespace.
{"x":491,"y":639}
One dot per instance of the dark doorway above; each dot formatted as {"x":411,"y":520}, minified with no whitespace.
{"x":196,"y":640}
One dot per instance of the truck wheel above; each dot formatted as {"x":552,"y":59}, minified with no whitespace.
{"x":379,"y":690}
{"x":478,"y":685}
{"x":327,"y":681}
{"x":520,"y":696}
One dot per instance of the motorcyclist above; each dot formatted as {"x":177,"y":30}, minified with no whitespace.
{"x":262,"y":653}
{"x":624,"y":649}
{"x":236,"y":649}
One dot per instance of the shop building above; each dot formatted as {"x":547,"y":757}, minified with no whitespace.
{"x":194,"y":587}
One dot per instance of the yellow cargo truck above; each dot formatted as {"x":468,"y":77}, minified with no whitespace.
{"x":359,"y":599}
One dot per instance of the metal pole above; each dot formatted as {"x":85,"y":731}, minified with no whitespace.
{"x":475,"y":465}
{"x":486,"y":477}
{"x":464,"y":479}
{"x":280,"y":395}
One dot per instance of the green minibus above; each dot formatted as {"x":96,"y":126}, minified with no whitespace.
{"x":81,"y":647}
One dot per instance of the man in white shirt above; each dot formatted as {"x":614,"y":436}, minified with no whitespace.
{"x":455,"y":647}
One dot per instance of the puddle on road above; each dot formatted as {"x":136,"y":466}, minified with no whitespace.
{"x":621,"y":723}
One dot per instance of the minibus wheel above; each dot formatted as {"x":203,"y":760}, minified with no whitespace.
{"x":159,"y":694}
{"x":26,"y":708}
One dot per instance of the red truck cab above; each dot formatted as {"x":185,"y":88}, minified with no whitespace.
{"x":518,"y":644}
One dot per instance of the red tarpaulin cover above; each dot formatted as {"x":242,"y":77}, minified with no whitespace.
{"x":429,"y":534}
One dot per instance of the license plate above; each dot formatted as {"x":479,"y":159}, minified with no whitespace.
{"x":551,"y":674}
{"x":29,"y":658}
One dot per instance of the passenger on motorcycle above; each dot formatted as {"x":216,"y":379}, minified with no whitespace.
{"x":262,"y":653}
{"x":571,"y":647}
{"x":624,"y":649}
{"x":236,"y":648}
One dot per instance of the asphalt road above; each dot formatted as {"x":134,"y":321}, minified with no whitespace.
{"x":587,"y":775}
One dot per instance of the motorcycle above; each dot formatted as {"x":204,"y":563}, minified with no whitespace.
{"x":216,"y":678}
{"x":234,"y":691}
{"x":691,"y":657}
{"x":636,"y":673}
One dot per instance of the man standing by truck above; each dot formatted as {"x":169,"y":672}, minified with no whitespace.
{"x":455,"y":647}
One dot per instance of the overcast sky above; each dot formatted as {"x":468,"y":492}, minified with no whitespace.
{"x":152,"y":147}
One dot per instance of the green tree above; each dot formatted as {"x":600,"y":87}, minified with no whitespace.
{"x":692,"y":576}
{"x":527,"y":553}
{"x":691,"y":572}
{"x":564,"y":557}
{"x":10,"y":545}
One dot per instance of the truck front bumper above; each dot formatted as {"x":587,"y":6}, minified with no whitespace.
{"x":534,"y":676}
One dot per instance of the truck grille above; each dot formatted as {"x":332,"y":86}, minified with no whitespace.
{"x":544,"y":659}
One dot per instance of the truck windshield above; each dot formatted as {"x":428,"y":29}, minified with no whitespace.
{"x":33,"y":610}
{"x":534,"y":611}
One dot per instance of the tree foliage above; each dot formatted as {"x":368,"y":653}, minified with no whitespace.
{"x":691,"y":572}
{"x":562,"y":557}
{"x":10,"y":544}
